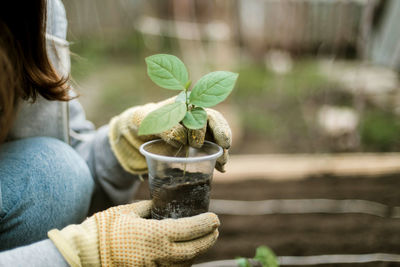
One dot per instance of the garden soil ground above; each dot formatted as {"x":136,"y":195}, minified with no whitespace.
{"x":308,"y":234}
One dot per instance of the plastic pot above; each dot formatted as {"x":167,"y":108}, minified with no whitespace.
{"x":179,"y":178}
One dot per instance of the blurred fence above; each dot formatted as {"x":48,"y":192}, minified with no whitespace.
{"x":298,"y":25}
{"x":318,"y":26}
{"x":385,"y":44}
{"x":293,"y":25}
{"x":97,"y":18}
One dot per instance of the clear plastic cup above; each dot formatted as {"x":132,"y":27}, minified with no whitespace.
{"x":179,"y":178}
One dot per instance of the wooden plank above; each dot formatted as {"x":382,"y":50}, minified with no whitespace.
{"x":299,"y":206}
{"x":316,"y":260}
{"x":299,"y":166}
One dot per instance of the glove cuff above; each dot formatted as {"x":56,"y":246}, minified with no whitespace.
{"x":126,"y":153}
{"x":79,"y":244}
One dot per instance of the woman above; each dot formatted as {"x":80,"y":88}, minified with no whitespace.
{"x":55,"y":167}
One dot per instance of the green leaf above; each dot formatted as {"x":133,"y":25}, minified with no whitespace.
{"x":167,"y":71}
{"x":181,"y":97}
{"x":266,"y":257}
{"x":162,"y":119}
{"x":242,"y":262}
{"x":213,"y":88}
{"x":188,"y":84}
{"x":195,"y":118}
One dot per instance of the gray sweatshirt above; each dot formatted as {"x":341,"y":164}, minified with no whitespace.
{"x":67,"y":122}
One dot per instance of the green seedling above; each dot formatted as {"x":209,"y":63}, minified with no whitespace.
{"x":169,"y":72}
{"x":264,"y":257}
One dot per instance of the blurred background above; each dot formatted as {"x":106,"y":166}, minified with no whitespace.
{"x":316,"y":77}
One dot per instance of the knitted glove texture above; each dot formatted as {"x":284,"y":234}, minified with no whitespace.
{"x":121,"y":236}
{"x":125,"y":141}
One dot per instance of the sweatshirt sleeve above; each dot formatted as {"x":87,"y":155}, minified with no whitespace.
{"x":114,"y":186}
{"x":43,"y":254}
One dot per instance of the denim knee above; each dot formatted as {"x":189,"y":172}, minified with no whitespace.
{"x":44,"y":184}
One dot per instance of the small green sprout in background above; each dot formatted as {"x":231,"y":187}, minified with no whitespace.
{"x":169,"y":72}
{"x":264,"y":256}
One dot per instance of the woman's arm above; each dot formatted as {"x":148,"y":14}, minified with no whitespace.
{"x":115,"y":186}
{"x":42,"y":254}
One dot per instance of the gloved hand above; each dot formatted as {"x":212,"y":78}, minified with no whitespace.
{"x":125,"y":141}
{"x":120,"y":236}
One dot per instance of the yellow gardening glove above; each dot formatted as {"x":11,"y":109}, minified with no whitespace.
{"x":120,"y":236}
{"x":125,"y":141}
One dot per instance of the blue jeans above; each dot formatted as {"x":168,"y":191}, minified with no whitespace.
{"x":44,"y":184}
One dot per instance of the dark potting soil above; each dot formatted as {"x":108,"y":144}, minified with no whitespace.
{"x":178,"y":195}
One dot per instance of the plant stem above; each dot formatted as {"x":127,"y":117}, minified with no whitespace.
{"x":179,"y":150}
{"x":187,"y":86}
{"x":186,"y":100}
{"x":187,"y":109}
{"x":187,"y":155}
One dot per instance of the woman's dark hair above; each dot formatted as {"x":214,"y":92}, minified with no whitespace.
{"x":25,"y":69}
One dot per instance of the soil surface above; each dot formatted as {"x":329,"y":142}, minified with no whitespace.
{"x":307,"y":234}
{"x":179,"y":195}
